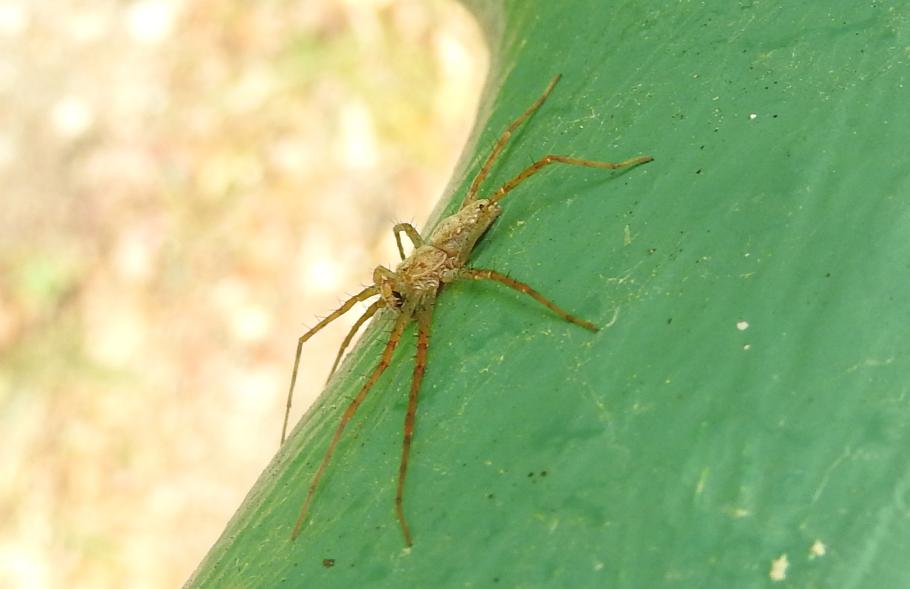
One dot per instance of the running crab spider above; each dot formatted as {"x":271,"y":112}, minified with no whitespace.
{"x":410,"y":292}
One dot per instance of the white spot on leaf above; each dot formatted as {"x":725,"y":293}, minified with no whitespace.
{"x":779,"y":568}
{"x":817,"y":550}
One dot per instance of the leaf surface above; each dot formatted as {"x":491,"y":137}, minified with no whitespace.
{"x":744,"y":415}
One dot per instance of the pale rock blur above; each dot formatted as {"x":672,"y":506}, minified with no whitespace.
{"x":186,"y":186}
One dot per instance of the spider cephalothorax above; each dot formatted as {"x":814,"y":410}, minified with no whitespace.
{"x":410,"y":292}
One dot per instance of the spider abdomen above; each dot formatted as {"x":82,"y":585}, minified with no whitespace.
{"x":458,"y":233}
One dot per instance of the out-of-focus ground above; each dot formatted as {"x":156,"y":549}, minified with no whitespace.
{"x":184,"y":186}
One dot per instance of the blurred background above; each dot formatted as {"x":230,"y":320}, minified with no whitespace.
{"x":184,"y":187}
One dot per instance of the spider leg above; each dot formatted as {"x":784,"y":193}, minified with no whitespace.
{"x":371,"y":310}
{"x":412,"y":234}
{"x":403,"y":319}
{"x":501,"y":143}
{"x":485,"y":274}
{"x":424,"y":319}
{"x":361,"y":296}
{"x":563,"y":159}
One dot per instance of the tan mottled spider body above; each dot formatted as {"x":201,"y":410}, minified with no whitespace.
{"x":410,"y":292}
{"x":437,"y":260}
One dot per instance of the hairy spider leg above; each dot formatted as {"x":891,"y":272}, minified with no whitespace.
{"x":371,"y":310}
{"x":412,"y":234}
{"x":424,"y":319}
{"x":502,"y":141}
{"x":361,"y":296}
{"x":403,"y":319}
{"x":486,"y":274}
{"x":563,"y":159}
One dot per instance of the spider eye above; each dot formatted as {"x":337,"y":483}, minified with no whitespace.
{"x":399,"y":299}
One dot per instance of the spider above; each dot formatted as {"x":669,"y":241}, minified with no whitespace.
{"x":410,"y":292}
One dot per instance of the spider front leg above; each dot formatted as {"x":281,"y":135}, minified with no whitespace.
{"x":412,"y":234}
{"x":563,"y":159}
{"x":361,"y":296}
{"x":404,"y":317}
{"x":371,"y":310}
{"x":424,"y":319}
{"x":486,"y":274}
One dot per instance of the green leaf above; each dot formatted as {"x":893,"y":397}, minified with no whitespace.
{"x":748,"y":404}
